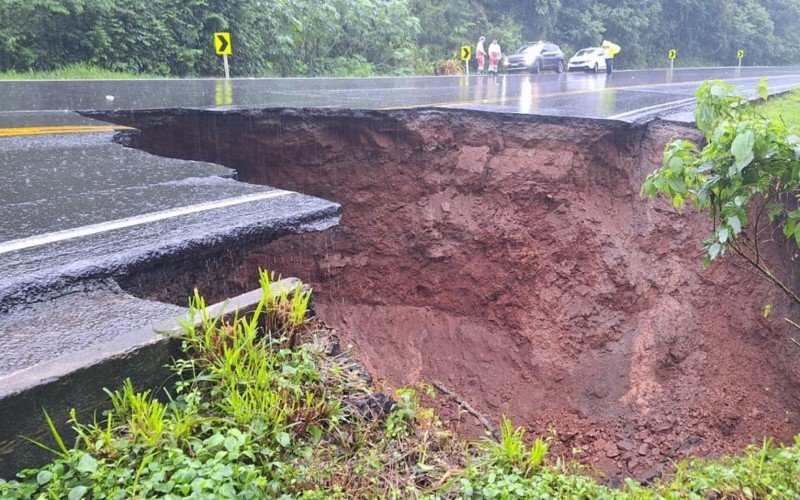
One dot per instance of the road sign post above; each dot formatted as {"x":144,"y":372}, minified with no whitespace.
{"x":224,"y":48}
{"x":466,"y":55}
{"x":740,"y":56}
{"x":225,"y":65}
{"x":672,"y":54}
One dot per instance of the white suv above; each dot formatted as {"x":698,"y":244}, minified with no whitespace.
{"x":591,"y":59}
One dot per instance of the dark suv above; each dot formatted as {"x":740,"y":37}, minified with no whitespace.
{"x":535,"y":57}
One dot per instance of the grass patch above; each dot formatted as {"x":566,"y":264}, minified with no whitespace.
{"x":268,"y":406}
{"x":77,"y":71}
{"x":785,"y":107}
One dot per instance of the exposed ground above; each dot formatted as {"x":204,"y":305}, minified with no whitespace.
{"x":512,"y":259}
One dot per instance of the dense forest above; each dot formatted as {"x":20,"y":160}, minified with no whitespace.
{"x":372,"y":37}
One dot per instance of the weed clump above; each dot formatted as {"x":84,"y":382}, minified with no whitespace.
{"x":267,"y":405}
{"x":260,"y":407}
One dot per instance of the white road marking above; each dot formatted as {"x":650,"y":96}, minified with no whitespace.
{"x":665,"y":105}
{"x":672,"y":104}
{"x":137,"y":220}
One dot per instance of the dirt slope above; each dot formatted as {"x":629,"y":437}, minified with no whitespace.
{"x":511,"y":259}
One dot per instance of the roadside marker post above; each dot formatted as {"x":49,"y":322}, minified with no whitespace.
{"x":466,"y":55}
{"x":740,"y":56}
{"x":672,"y":54}
{"x":224,"y":48}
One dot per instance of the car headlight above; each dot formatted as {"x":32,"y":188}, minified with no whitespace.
{"x":505,"y":61}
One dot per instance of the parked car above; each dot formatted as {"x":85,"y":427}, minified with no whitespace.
{"x":590,"y":59}
{"x":535,"y":57}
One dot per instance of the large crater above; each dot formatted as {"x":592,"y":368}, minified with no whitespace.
{"x":511,"y":259}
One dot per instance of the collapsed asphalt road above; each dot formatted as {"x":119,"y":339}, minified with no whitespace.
{"x":80,"y":213}
{"x":79,"y":208}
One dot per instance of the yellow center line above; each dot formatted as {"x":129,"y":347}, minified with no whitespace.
{"x":62,"y":129}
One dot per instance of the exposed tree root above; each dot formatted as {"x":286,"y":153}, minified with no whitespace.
{"x":470,"y":409}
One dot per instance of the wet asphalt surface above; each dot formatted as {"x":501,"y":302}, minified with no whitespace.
{"x":628,"y":95}
{"x":78,"y":206}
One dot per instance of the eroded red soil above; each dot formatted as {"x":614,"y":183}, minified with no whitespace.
{"x":513,"y":260}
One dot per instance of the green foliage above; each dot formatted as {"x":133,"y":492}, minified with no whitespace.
{"x":373,"y":37}
{"x":75,"y":71}
{"x":762,"y":471}
{"x":510,"y":469}
{"x":250,"y":416}
{"x":512,"y":452}
{"x":750,"y":167}
{"x":785,"y":108}
{"x":355,"y":66}
{"x":446,"y":25}
{"x":165,"y":37}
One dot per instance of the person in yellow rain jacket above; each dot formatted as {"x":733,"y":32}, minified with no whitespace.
{"x":611,"y":49}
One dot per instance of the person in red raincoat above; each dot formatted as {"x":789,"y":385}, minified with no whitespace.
{"x":480,"y":54}
{"x":494,"y":56}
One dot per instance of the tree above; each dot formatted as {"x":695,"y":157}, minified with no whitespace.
{"x":364,"y":37}
{"x":750,"y":28}
{"x":447,"y":24}
{"x":582,"y":25}
{"x":785,"y":15}
{"x":631,"y":25}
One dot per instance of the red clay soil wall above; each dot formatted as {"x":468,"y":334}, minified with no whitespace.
{"x":512,"y":259}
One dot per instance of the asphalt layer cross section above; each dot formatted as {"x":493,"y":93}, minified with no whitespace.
{"x":626,"y":95}
{"x":81,"y":206}
{"x":30,"y":338}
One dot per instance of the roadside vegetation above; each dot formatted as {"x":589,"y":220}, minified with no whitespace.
{"x":785,"y":108}
{"x":267,"y":405}
{"x":75,"y":71}
{"x":380,"y":37}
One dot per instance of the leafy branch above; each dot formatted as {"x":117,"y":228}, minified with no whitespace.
{"x":747,"y":158}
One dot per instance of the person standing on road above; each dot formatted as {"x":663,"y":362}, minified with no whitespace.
{"x":611,"y":49}
{"x":494,"y":56}
{"x":480,"y":54}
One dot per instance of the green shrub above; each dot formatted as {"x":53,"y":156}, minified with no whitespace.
{"x":258,"y":409}
{"x":354,"y":66}
{"x":75,"y":71}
